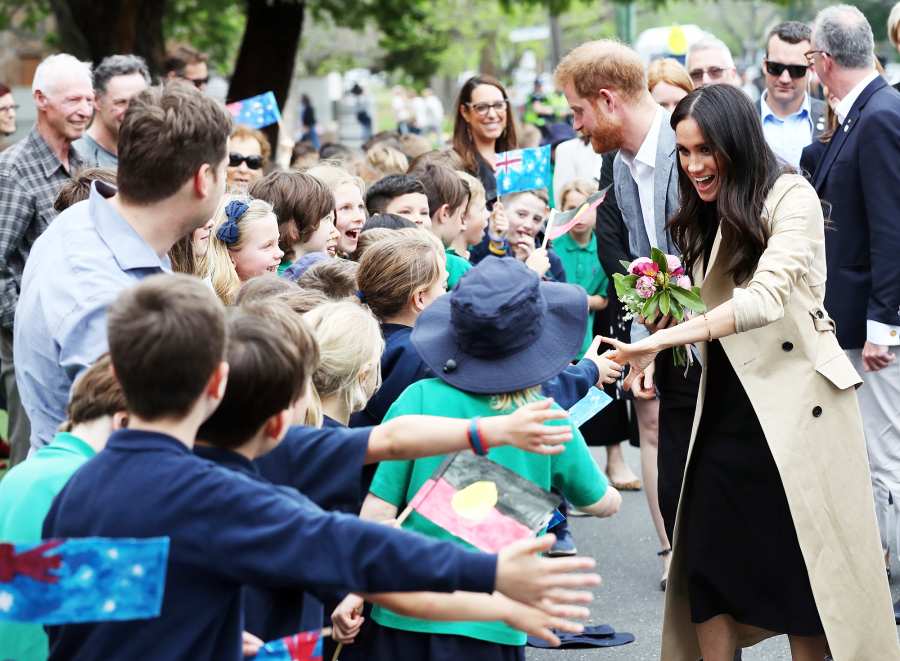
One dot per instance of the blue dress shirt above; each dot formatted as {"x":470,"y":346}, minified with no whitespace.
{"x":788,"y":136}
{"x":76,"y":268}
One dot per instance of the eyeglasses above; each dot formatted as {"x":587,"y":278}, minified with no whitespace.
{"x":810,"y":55}
{"x":9,"y":109}
{"x":714,"y":73}
{"x":199,"y":83}
{"x":253,"y":162}
{"x":483,"y":109}
{"x":794,"y":70}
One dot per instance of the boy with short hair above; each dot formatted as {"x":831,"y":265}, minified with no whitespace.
{"x":399,"y":194}
{"x":448,"y":196}
{"x":96,"y":409}
{"x":167,"y":342}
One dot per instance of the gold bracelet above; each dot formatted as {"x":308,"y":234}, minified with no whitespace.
{"x":708,"y":330}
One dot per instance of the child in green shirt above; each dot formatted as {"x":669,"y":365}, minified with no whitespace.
{"x":491,"y":342}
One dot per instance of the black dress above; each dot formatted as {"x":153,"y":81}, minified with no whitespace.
{"x":741,"y":550}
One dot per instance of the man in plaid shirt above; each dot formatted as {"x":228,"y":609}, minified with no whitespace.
{"x":31,"y":173}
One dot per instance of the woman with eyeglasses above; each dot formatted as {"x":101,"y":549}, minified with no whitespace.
{"x":484,"y":126}
{"x":248,"y":151}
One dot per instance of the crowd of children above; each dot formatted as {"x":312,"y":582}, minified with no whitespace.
{"x":322,"y":347}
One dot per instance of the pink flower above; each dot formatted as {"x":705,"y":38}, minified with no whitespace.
{"x":645,"y":286}
{"x":673,"y":265}
{"x":683,"y":281}
{"x":643,"y":266}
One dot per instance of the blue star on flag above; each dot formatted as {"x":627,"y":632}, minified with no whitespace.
{"x":256,"y":112}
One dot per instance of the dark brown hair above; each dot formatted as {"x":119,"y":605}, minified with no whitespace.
{"x":182,"y":56}
{"x":299,"y":201}
{"x":442,"y":186}
{"x":78,"y":188}
{"x":463,"y":142}
{"x":336,"y":278}
{"x":448,"y":157}
{"x":96,"y":394}
{"x":271,"y":356}
{"x":747,"y":170}
{"x":263,"y":287}
{"x":167,"y":134}
{"x":166,"y":339}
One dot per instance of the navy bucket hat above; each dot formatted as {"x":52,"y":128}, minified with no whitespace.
{"x":501,"y":329}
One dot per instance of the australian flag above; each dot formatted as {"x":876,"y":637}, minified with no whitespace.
{"x":92,"y":579}
{"x":523,"y":169}
{"x":256,"y":112}
{"x":306,"y":646}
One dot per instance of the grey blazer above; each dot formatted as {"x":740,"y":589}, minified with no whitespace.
{"x":665,"y":196}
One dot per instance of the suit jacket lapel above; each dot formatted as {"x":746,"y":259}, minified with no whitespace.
{"x":662,"y":179}
{"x":840,"y":135}
{"x":630,"y":207}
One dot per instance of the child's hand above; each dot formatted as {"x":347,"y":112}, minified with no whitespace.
{"x":542,"y":620}
{"x":497,"y":223}
{"x":525,"y":576}
{"x":347,"y":619}
{"x":610,"y":371}
{"x":642,"y":387}
{"x":250,"y":644}
{"x":526,"y":430}
{"x":538,"y":261}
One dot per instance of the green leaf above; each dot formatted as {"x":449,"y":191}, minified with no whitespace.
{"x":664,"y":302}
{"x":659,"y":257}
{"x":689,"y":299}
{"x":625,"y":265}
{"x":677,"y":312}
{"x":624,"y":283}
{"x":650,"y":307}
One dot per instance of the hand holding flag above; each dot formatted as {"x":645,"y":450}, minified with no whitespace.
{"x":560,"y":223}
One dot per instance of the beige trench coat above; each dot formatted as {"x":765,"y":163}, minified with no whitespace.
{"x":801,"y":385}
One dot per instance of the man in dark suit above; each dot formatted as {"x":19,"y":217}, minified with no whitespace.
{"x":791,"y":118}
{"x":859,"y":177}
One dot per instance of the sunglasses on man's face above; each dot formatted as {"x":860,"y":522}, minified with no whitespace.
{"x":253,"y":162}
{"x":714,"y":73}
{"x":794,"y":70}
{"x":199,"y":83}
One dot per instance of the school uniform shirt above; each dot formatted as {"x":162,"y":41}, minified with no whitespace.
{"x":456,"y":268}
{"x":401,"y":365}
{"x":227,"y":530}
{"x":573,"y":472}
{"x":323,"y":464}
{"x":25,"y":496}
{"x":269,"y":614}
{"x":582,"y":266}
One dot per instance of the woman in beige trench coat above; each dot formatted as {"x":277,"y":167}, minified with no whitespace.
{"x":754,"y":240}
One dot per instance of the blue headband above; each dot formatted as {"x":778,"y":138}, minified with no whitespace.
{"x":228,"y":232}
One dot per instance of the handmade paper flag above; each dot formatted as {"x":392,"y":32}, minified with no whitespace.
{"x":588,"y":406}
{"x":523,"y":169}
{"x":484,"y":503}
{"x":256,"y":112}
{"x":306,"y":646}
{"x":92,"y":579}
{"x":560,"y":223}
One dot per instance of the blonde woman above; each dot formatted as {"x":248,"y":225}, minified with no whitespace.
{"x":244,"y":244}
{"x":668,"y":82}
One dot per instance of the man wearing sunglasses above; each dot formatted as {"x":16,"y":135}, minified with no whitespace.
{"x":189,"y":65}
{"x":791,"y":119}
{"x":709,"y":62}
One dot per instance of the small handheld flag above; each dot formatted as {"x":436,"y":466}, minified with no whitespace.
{"x":483,"y":503}
{"x":560,"y":223}
{"x":91,"y":579}
{"x":523,"y":169}
{"x":306,"y":646}
{"x":256,"y":112}
{"x":588,"y":406}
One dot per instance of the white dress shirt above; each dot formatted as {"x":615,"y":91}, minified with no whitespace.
{"x":642,"y":167}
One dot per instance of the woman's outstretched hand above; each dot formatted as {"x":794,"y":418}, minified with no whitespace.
{"x":637,"y":356}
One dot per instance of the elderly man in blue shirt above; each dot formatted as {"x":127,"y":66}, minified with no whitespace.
{"x":172,"y":165}
{"x":791,"y":119}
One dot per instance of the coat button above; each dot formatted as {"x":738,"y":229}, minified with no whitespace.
{"x":817,"y":411}
{"x":787,"y":346}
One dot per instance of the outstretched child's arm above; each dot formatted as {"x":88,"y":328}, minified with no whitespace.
{"x":415,"y":436}
{"x":536,"y":620}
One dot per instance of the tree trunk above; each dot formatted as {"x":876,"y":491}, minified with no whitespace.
{"x":92,"y":30}
{"x":268,"y":52}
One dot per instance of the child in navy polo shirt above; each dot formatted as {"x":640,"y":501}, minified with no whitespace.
{"x":167,"y":343}
{"x":269,"y":349}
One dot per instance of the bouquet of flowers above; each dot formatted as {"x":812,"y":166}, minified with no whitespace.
{"x":655,"y":284}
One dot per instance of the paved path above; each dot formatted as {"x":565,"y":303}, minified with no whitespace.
{"x":629,"y":599}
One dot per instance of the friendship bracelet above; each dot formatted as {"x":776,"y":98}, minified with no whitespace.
{"x":475,"y":437}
